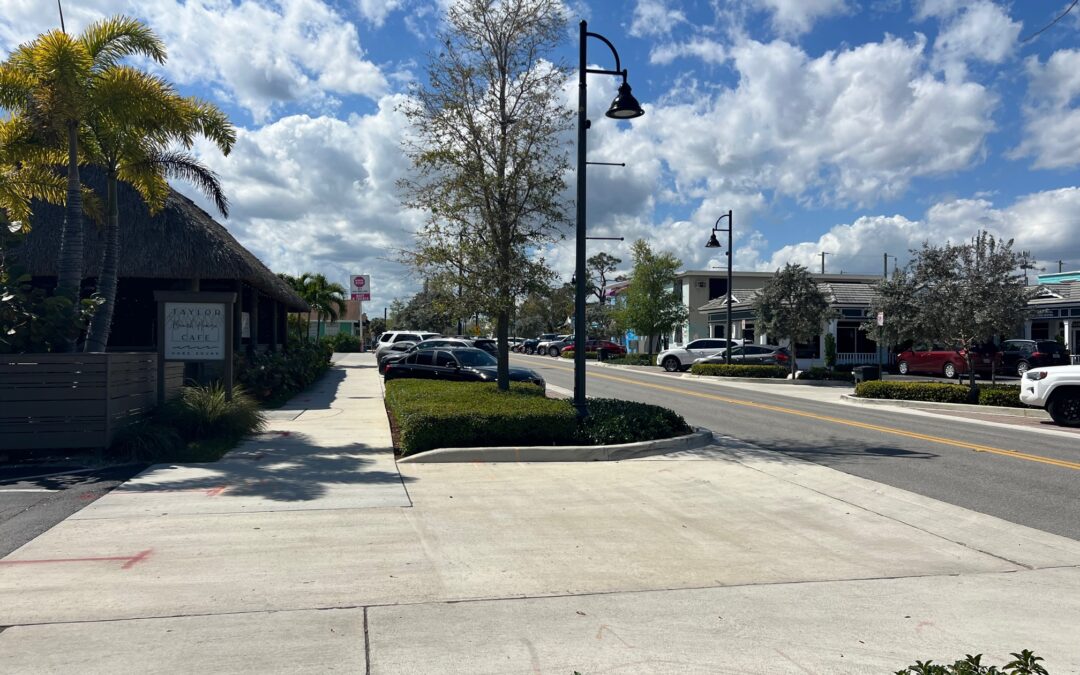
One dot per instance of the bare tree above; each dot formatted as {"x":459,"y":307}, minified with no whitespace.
{"x":488,"y":162}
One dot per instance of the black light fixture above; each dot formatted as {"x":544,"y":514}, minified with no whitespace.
{"x":713,"y":243}
{"x":624,"y":106}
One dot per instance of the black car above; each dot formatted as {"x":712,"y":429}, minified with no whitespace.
{"x":456,"y":365}
{"x":395,"y":354}
{"x":1017,"y":356}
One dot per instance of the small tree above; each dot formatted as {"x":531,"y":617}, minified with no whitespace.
{"x":965,"y":294}
{"x":830,"y":351}
{"x":546,"y":311}
{"x":652,"y":306}
{"x":894,"y":297}
{"x":791,"y":306}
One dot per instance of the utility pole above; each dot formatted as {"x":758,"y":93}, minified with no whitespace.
{"x":1061,"y":266}
{"x":823,"y":254}
{"x":885,"y":267}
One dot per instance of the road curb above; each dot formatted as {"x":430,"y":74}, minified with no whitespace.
{"x":768,"y":380}
{"x":564,"y":453}
{"x":1034,"y":413}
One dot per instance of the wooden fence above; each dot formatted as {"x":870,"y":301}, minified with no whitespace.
{"x":60,"y":401}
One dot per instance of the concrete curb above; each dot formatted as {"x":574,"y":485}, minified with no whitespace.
{"x":1035,"y":413}
{"x":564,"y":453}
{"x":769,"y":380}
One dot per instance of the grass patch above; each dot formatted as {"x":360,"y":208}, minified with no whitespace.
{"x":430,"y":415}
{"x":724,"y":370}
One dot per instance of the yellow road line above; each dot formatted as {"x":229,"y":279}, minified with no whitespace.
{"x":839,"y":420}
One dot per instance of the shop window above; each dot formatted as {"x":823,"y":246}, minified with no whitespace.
{"x":1040,"y":330}
{"x":719,"y":330}
{"x":809,"y":350}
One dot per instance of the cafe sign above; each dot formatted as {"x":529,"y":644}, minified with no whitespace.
{"x":195,"y":331}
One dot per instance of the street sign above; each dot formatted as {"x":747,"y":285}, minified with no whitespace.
{"x":881,"y":318}
{"x":360,"y":285}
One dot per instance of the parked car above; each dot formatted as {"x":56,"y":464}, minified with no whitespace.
{"x":932,"y":359}
{"x":456,"y":365}
{"x":1055,"y":388}
{"x":755,"y":355}
{"x":554,"y":347}
{"x":609,"y":347}
{"x":394,"y":336}
{"x":529,"y":346}
{"x":1019,"y":356}
{"x":487,"y":344}
{"x":394,"y":354}
{"x":681,"y":358}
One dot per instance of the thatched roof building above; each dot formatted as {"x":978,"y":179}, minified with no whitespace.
{"x":180,"y":248}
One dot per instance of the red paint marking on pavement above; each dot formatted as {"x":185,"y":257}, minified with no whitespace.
{"x":88,"y":496}
{"x":129,"y":560}
{"x":214,"y":492}
{"x":210,"y":492}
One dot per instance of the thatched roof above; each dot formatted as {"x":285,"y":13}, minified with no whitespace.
{"x":180,"y":242}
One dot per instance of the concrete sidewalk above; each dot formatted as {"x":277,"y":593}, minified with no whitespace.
{"x":724,"y":559}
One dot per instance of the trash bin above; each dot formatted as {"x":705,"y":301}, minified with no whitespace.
{"x":601,"y":355}
{"x":866,"y":373}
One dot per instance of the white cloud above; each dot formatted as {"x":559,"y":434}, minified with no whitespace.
{"x":795,"y":17}
{"x":376,"y":11}
{"x":1051,"y":120}
{"x":705,"y":49}
{"x":655,"y":17}
{"x":983,"y":31}
{"x":854,"y":126}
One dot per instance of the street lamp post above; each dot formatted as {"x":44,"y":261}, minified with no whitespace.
{"x":713,"y":243}
{"x":624,"y":107}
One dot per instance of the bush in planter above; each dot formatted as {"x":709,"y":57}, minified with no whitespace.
{"x":1024,"y":663}
{"x":1003,"y":396}
{"x":913,"y":391}
{"x":634,"y":360}
{"x":819,"y":373}
{"x":275,"y":376}
{"x":724,"y":370}
{"x":612,"y":421}
{"x":344,"y":343}
{"x":569,"y":354}
{"x":201,"y":413}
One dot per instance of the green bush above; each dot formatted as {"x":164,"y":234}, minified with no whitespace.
{"x":612,"y":421}
{"x":202,"y":413}
{"x":274,"y":377}
{"x":1023,"y":663}
{"x":148,"y":440}
{"x":475,"y":414}
{"x":343,"y":343}
{"x":570,"y":354}
{"x":634,"y":360}
{"x":1003,"y":396}
{"x":819,"y":373}
{"x":724,"y":370}
{"x":913,"y":391}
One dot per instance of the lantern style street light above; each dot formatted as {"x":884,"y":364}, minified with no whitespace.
{"x":713,"y":243}
{"x":624,"y":107}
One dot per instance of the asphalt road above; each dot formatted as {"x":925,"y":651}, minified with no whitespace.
{"x":33,"y":499}
{"x":970,"y":465}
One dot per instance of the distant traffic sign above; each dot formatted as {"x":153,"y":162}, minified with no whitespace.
{"x":360,"y":285}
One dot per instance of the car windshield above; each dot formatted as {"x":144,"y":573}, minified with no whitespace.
{"x":477,"y":358}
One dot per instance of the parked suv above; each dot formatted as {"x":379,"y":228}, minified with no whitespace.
{"x":951,"y":362}
{"x":681,"y":358}
{"x":529,"y":346}
{"x":1019,"y":356}
{"x":554,"y":346}
{"x":1057,"y":389}
{"x":390,"y":337}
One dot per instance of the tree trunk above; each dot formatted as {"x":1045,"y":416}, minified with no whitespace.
{"x":97,"y":337}
{"x":69,"y":267}
{"x":792,"y":359}
{"x":502,"y":333}
{"x":307,"y":329}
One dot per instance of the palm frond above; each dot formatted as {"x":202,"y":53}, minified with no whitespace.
{"x":184,"y":166}
{"x":109,"y":40}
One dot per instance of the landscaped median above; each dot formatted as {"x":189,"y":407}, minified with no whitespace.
{"x":427,"y":415}
{"x":1000,"y":395}
{"x":733,"y":370}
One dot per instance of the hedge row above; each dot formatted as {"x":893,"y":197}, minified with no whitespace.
{"x":724,"y":370}
{"x":995,"y":395}
{"x":274,"y":377}
{"x":634,"y":360}
{"x":475,"y":414}
{"x":570,"y":354}
{"x":819,"y":373}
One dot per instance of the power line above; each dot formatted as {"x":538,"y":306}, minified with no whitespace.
{"x":1047,"y":26}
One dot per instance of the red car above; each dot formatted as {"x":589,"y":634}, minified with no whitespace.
{"x":610,"y":348}
{"x":950,"y":362}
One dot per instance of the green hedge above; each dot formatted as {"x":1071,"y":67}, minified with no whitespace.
{"x":1002,"y":396}
{"x":274,"y":377}
{"x":634,"y":360}
{"x":343,"y":342}
{"x":570,"y":355}
{"x":724,"y":370}
{"x":475,"y":414}
{"x":819,"y":373}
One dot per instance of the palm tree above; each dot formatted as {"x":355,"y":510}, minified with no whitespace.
{"x":49,"y":82}
{"x":132,"y":142}
{"x":26,"y":173}
{"x":326,"y":298}
{"x":299,"y":285}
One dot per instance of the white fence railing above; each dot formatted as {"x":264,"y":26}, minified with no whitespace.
{"x":844,"y":358}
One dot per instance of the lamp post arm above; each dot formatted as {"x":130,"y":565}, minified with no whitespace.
{"x":618,"y":65}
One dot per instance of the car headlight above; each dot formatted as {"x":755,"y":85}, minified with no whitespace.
{"x":1035,"y":375}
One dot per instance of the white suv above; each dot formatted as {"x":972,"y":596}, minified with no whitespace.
{"x":1056,"y":388}
{"x":390,"y":337}
{"x":681,"y":358}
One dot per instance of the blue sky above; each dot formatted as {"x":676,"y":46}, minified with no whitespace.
{"x":857,"y":128}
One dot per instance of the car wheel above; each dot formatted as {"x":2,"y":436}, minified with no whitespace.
{"x":1022,"y":368}
{"x":902,"y":367}
{"x":1064,"y":408}
{"x":554,"y":351}
{"x":671,"y":364}
{"x":950,"y":371}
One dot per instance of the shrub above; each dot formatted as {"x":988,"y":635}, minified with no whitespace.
{"x":276,"y":376}
{"x":1023,"y":663}
{"x":570,"y":354}
{"x":613,"y":421}
{"x":148,"y":440}
{"x":913,"y":391}
{"x":1004,"y":396}
{"x":724,"y":370}
{"x":819,"y":373}
{"x":344,"y":343}
{"x":634,"y":360}
{"x":830,"y":351}
{"x":475,"y":414}
{"x":201,"y":413}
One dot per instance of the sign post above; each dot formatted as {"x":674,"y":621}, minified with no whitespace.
{"x":360,"y":284}
{"x":881,"y":338}
{"x":195,"y":327}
